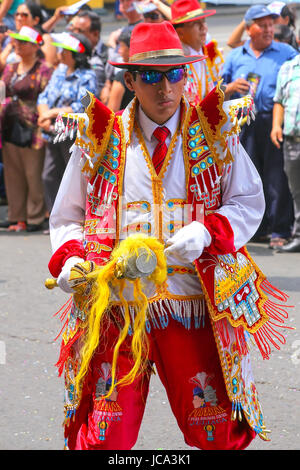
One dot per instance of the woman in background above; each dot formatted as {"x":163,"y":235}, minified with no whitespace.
{"x":63,"y":94}
{"x":23,"y":146}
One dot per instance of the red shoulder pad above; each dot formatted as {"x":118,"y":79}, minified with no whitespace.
{"x":212,"y":108}
{"x":211,"y":50}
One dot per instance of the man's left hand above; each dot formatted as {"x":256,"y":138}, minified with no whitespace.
{"x":189,"y":242}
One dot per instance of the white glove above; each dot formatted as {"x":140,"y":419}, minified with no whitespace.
{"x":63,"y":278}
{"x":189,"y":242}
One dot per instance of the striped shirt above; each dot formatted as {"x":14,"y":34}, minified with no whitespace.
{"x":288,"y":95}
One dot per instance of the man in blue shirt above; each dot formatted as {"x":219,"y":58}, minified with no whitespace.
{"x":262,"y":58}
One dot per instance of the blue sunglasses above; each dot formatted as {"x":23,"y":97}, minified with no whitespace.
{"x":151,"y":77}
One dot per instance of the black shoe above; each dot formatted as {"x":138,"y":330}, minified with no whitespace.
{"x":3,"y":201}
{"x":291,"y":247}
{"x":34,"y":227}
{"x":6,"y":223}
{"x":260,"y":239}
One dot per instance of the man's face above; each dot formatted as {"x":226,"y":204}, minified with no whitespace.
{"x":160,"y":101}
{"x":82,"y":25}
{"x":126,"y":6}
{"x":261,"y":32}
{"x":193,"y":33}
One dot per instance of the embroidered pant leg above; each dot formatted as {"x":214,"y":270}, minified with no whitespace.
{"x":111,"y":424}
{"x":188,"y":364}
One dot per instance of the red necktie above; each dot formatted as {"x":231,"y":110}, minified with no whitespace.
{"x":161,"y":133}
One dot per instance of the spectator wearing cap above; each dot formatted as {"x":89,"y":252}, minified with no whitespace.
{"x":63,"y":94}
{"x":262,"y":57}
{"x":28,"y":13}
{"x":89,"y":23}
{"x":23,"y":146}
{"x":285,"y":16}
{"x":189,"y":20}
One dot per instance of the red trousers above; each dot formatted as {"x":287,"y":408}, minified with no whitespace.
{"x":188,"y":365}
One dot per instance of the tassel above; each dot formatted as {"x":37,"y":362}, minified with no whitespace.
{"x":241,"y":341}
{"x":65,"y":306}
{"x":221,"y":326}
{"x":64,"y":351}
{"x":269,"y":289}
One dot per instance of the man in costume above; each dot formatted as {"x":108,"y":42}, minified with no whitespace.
{"x":189,"y":20}
{"x":165,"y":172}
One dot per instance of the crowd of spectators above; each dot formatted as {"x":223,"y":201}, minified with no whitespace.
{"x":49,"y":76}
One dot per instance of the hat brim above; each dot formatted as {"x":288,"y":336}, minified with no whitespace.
{"x":59,"y":44}
{"x":164,"y":61}
{"x":193,"y":16}
{"x":22,"y":38}
{"x":264,"y":15}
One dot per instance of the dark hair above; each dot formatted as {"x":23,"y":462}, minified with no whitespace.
{"x":125,"y":37}
{"x":35,"y":10}
{"x":286,"y":11}
{"x":282,"y":33}
{"x":95,"y":19}
{"x":285,"y":34}
{"x":82,"y":58}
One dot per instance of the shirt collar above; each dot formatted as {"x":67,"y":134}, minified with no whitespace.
{"x":192,"y":51}
{"x":273,"y":46}
{"x":148,"y":126}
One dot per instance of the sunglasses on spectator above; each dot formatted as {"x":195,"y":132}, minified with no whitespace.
{"x":152,"y":15}
{"x":22,"y":14}
{"x":151,"y":77}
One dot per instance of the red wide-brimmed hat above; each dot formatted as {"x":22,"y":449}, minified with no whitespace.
{"x":156,"y":44}
{"x":185,"y":11}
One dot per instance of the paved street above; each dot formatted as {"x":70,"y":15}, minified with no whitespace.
{"x":31,"y":394}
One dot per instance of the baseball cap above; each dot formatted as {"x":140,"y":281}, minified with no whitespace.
{"x":28,"y":34}
{"x":258,"y":11}
{"x":276,"y":7}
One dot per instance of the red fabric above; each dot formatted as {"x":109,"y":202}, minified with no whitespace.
{"x":68,"y":249}
{"x":221,"y":233}
{"x":211,"y":50}
{"x":179,"y":355}
{"x":211,"y":105}
{"x":180,"y":8}
{"x":160,"y":151}
{"x":100,"y":118}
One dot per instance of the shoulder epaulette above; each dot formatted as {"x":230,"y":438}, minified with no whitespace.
{"x":221,"y":121}
{"x":93,"y":129}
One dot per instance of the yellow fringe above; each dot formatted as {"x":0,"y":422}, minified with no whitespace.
{"x":100,"y":307}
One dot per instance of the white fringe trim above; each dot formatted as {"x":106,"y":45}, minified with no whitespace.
{"x":185,"y":312}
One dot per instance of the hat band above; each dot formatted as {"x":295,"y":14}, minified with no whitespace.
{"x":155,"y":54}
{"x":189,"y":15}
